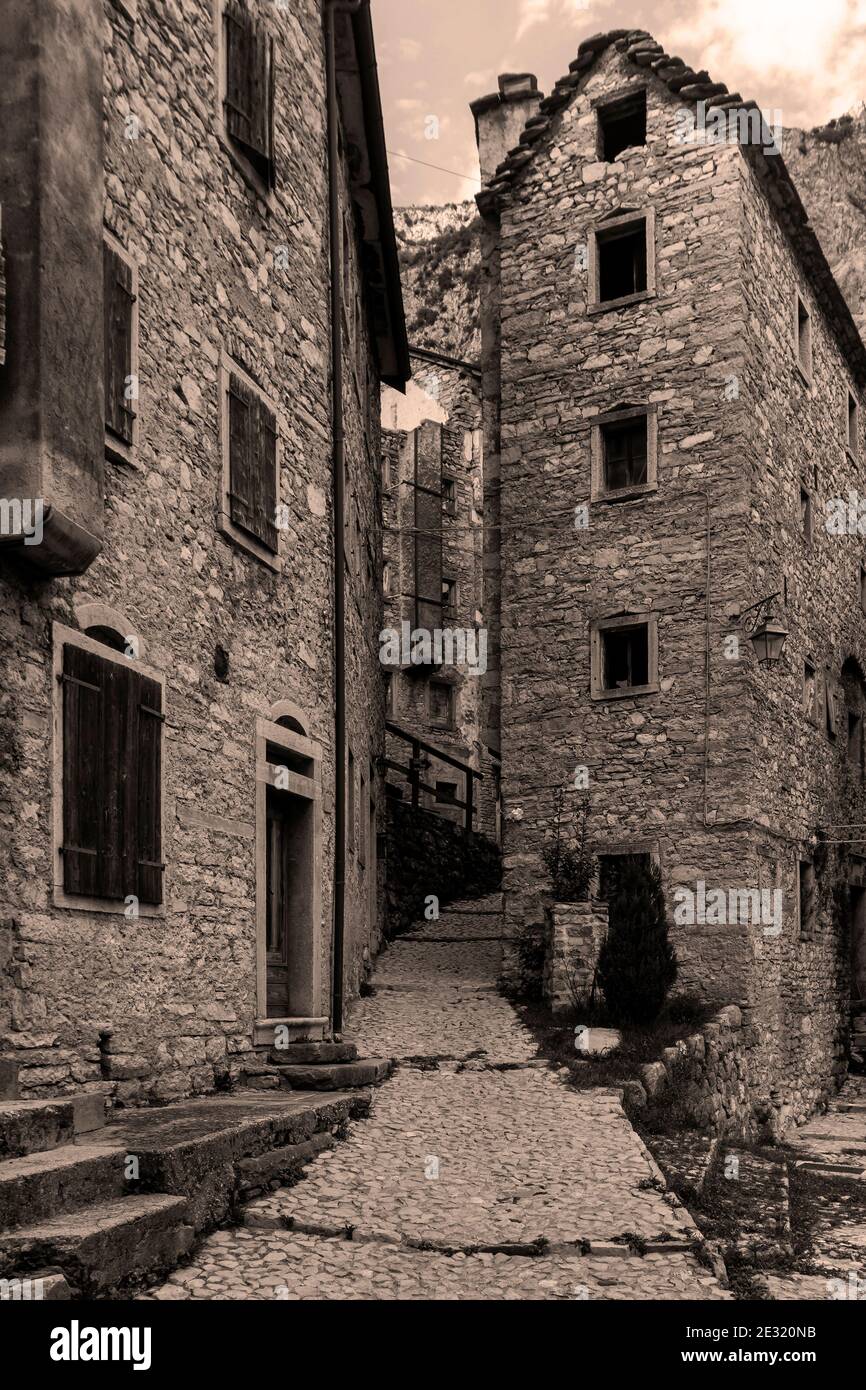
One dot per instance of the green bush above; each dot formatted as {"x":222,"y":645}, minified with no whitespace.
{"x":637,"y":964}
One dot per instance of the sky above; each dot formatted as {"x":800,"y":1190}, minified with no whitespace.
{"x":804,"y":59}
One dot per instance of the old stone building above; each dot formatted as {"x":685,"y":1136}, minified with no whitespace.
{"x":191,"y":221}
{"x":673,"y":393}
{"x":432,"y":580}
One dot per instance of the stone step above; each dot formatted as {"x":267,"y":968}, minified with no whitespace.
{"x":103,"y":1250}
{"x":307,"y":1054}
{"x":278,"y":1166}
{"x":31,"y":1126}
{"x":371,"y":1071}
{"x":38,"y":1186}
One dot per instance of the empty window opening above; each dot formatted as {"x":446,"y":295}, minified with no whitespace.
{"x":446,"y":793}
{"x":621,"y":125}
{"x":804,"y":337}
{"x":350,"y":803}
{"x":806,"y":514}
{"x":624,"y":447}
{"x":807,"y":900}
{"x":808,"y":690}
{"x":853,"y":424}
{"x":625,"y":656}
{"x":622,"y":261}
{"x":610,"y":866}
{"x":441,"y":704}
{"x":449,"y":496}
{"x":449,"y":596}
{"x":855,"y":739}
{"x":829,"y":706}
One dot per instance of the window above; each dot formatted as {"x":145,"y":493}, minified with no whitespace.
{"x":806,"y":514}
{"x":363,"y":830}
{"x":855,"y":741}
{"x":609,"y":868}
{"x":622,"y":260}
{"x":809,"y":705}
{"x":109,"y":817}
{"x":441,"y":704}
{"x":624,"y":656}
{"x":251,"y":459}
{"x":350,"y":803}
{"x":449,"y":496}
{"x":829,"y":705}
{"x":852,"y":425}
{"x":804,"y":339}
{"x":246,"y":97}
{"x":446,"y":793}
{"x":624,"y":451}
{"x":449,"y":597}
{"x":120,"y":325}
{"x":807,"y":898}
{"x":390,"y":694}
{"x":621,"y":124}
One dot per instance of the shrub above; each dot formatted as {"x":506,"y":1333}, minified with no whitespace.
{"x":571,"y":868}
{"x":637,"y":964}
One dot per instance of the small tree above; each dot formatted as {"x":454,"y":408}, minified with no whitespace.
{"x":637,"y":963}
{"x":571,"y":868}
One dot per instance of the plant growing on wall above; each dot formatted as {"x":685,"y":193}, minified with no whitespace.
{"x":571,"y":867}
{"x":637,"y":964}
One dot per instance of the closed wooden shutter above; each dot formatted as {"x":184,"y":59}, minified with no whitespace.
{"x":112,"y":736}
{"x":118,"y":300}
{"x":252,"y":463}
{"x":250,"y":81}
{"x":428,"y":526}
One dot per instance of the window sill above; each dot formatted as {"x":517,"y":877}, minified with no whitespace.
{"x":625,"y":494}
{"x":804,"y":376}
{"x":627,"y":693}
{"x":602,"y":306}
{"x":117,"y":451}
{"x":248,"y":543}
{"x":852,"y":454}
{"x":116,"y":908}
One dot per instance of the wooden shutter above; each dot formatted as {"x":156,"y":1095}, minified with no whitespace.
{"x":252,"y":463}
{"x":118,"y":300}
{"x":112,"y":735}
{"x":428,"y":526}
{"x":250,"y":80}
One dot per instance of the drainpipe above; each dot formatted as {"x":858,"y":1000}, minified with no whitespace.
{"x":337,"y":430}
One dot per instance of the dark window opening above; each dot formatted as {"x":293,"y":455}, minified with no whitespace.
{"x":118,"y":301}
{"x":610,"y":866}
{"x":855,"y":739}
{"x":621,"y":124}
{"x":806,"y":514}
{"x":446,"y":792}
{"x":625,"y":657}
{"x":449,"y":496}
{"x":807,"y":902}
{"x":441,"y":704}
{"x":852,"y":423}
{"x":804,"y":337}
{"x":108,"y":637}
{"x":449,"y":596}
{"x":625,"y":453}
{"x":249,"y":98}
{"x":622,"y":261}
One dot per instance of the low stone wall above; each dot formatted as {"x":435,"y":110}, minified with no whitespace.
{"x":573,"y":936}
{"x":710,"y":1073}
{"x":429,"y":856}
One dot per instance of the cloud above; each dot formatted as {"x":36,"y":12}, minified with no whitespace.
{"x":810,"y":62}
{"x":482,"y":78}
{"x":410,"y":50}
{"x":530,"y":13}
{"x":408,"y":104}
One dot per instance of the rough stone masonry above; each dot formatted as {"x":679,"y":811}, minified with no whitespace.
{"x":733,"y":346}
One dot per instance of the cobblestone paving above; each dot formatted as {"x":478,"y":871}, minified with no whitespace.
{"x":486,"y":1147}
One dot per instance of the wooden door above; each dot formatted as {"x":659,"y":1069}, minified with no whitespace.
{"x":280,"y":881}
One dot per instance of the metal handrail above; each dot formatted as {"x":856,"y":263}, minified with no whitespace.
{"x":412,"y":772}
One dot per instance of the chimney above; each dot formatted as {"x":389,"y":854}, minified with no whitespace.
{"x":500,"y":118}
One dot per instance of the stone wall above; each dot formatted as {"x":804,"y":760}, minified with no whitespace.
{"x":427,"y":856}
{"x":573,"y":937}
{"x":715,"y":773}
{"x":163,"y":1006}
{"x":709,"y":1073}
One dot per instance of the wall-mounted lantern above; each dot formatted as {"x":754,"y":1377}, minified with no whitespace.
{"x":767,"y":633}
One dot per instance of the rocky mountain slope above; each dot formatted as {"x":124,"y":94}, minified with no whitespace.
{"x":440,"y":259}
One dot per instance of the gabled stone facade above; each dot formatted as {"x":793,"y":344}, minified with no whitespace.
{"x":707,"y":761}
{"x":174,"y":1001}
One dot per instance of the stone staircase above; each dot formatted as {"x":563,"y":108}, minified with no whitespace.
{"x":327,"y":1066}
{"x":98,"y":1208}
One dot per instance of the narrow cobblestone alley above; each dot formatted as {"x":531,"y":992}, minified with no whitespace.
{"x":473,"y":1142}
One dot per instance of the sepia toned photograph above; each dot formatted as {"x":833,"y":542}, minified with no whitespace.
{"x":432,"y":671}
